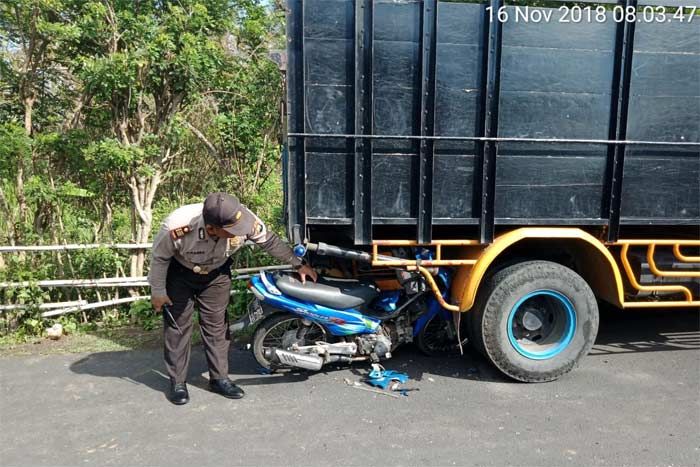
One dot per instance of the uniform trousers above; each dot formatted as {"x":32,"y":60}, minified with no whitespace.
{"x":211,"y":294}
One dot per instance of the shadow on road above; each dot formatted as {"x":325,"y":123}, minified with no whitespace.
{"x":647,"y":331}
{"x":146,"y":367}
{"x":620,"y":332}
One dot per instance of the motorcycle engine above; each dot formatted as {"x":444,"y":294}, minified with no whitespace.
{"x":377,"y":346}
{"x":391,"y":334}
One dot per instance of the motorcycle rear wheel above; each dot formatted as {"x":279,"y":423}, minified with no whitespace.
{"x":270,"y":331}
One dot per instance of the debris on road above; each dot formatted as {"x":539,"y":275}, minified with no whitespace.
{"x":382,"y":378}
{"x":358,"y":385}
{"x":376,"y":391}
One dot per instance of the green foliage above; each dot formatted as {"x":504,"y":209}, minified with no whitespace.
{"x":14,"y":145}
{"x":143,"y":315}
{"x":238,"y":305}
{"x":70,"y":324}
{"x":97,"y":262}
{"x":26,"y":321}
{"x":110,"y":156}
{"x":116,"y":88}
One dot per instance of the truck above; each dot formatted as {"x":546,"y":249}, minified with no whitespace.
{"x":548,"y":155}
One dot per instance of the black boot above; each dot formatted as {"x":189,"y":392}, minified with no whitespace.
{"x":178,"y":394}
{"x":226,"y":388}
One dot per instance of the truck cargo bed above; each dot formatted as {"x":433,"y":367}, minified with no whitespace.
{"x":423,"y":119}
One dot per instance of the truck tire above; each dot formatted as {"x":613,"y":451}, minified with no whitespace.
{"x":535,"y":320}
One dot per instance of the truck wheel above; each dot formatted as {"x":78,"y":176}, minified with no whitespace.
{"x":535,"y":320}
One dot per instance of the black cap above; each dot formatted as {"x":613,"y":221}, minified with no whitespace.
{"x":225,"y":211}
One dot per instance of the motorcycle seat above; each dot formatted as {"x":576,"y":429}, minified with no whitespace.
{"x":340,"y":294}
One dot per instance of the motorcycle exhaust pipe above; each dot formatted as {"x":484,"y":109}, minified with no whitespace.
{"x":284,"y":357}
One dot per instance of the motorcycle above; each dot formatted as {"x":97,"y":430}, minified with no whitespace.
{"x":309,"y":325}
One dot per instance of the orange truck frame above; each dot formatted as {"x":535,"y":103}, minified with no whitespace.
{"x":603,"y":268}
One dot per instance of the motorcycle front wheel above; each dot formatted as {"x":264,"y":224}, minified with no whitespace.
{"x":437,"y":338}
{"x":271,"y":331}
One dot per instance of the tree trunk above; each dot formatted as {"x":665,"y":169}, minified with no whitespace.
{"x":105,"y":230}
{"x":11,"y":227}
{"x":143,"y":191}
{"x":141,"y":235}
{"x":21,"y":199}
{"x":57,"y":255}
{"x":145,"y":232}
{"x":57,"y":215}
{"x":28,"y":109}
{"x":108,"y":219}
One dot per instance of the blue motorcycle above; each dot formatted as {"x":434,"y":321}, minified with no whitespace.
{"x":308,"y":325}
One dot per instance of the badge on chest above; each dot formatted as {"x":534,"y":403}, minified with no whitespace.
{"x":180,"y":232}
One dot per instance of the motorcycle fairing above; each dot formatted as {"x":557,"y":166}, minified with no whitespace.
{"x":337,"y":322}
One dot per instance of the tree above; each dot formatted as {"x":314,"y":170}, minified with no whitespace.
{"x":144,"y":62}
{"x":15,"y":152}
{"x":239,"y":120}
{"x":113,"y":112}
{"x":33,"y":32}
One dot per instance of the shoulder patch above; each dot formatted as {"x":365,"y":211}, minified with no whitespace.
{"x":180,"y":232}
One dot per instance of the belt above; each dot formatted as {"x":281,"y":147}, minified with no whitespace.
{"x":197,"y":269}
{"x":201,"y":271}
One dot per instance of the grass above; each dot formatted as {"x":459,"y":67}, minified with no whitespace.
{"x":107,"y":339}
{"x":110,"y":336}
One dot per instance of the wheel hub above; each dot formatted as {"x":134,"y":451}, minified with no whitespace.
{"x":531,"y":321}
{"x":541,"y":324}
{"x":289,"y":339}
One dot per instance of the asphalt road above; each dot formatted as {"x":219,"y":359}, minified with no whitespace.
{"x":634,"y":401}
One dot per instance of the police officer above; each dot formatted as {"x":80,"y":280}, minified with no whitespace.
{"x":190,"y":265}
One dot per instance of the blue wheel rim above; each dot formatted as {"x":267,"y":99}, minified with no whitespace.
{"x":557,"y":318}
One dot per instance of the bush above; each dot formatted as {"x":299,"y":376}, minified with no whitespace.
{"x":26,"y":321}
{"x":142,"y":314}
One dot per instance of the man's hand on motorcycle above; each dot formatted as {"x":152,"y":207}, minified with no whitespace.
{"x":158,"y":302}
{"x":307,"y":270}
